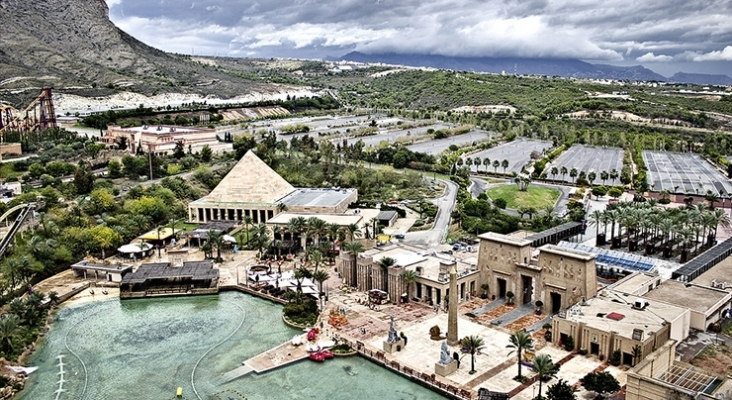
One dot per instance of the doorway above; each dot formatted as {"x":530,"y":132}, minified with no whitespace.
{"x":627,"y":359}
{"x":527,"y":289}
{"x":595,"y":349}
{"x":501,"y":287}
{"x":556,"y":300}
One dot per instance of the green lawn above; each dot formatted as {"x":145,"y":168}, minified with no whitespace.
{"x":536,"y":196}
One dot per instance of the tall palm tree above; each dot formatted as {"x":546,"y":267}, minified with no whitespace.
{"x":596,"y":218}
{"x":474,"y":344}
{"x":386,"y":263}
{"x":603,"y":176}
{"x":614,"y":175}
{"x":486,"y":163}
{"x":409,"y":277}
{"x":320,"y":277}
{"x":563,"y":171}
{"x":544,"y":367}
{"x":353,"y":231}
{"x":297,"y":225}
{"x":316,"y":227}
{"x":248,"y":221}
{"x":496,"y":164}
{"x":504,"y":164}
{"x":554,"y":172}
{"x":520,"y":341}
{"x":573,"y":174}
{"x":316,"y":257}
{"x":216,"y":241}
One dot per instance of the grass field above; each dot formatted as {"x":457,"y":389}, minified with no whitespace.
{"x":536,"y":196}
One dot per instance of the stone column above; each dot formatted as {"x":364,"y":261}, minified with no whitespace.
{"x":452,"y":323}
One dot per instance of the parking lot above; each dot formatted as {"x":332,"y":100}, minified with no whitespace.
{"x":587,"y":158}
{"x":392,"y":136}
{"x":683,"y":173}
{"x":516,"y":152}
{"x":435,"y":147}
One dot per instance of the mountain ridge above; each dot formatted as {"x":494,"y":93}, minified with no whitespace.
{"x":534,"y":66}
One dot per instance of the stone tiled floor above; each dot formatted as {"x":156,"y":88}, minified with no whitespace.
{"x":489,"y":316}
{"x":421,"y":352}
{"x":524,"y":322}
{"x":408,"y":312}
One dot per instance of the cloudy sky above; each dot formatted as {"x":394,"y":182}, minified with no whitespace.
{"x":664,"y":35}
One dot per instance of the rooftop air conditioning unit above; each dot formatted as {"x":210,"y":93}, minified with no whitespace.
{"x":640,"y":304}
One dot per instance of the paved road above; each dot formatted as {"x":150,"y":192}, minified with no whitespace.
{"x":445,"y":205}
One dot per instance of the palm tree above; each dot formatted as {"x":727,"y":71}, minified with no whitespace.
{"x":320,"y":276}
{"x":297,"y":225}
{"x":563,"y":171}
{"x":545,"y":368}
{"x":554,"y":172}
{"x":596,"y":218}
{"x":474,"y":344}
{"x":476,"y":162}
{"x":614,"y":175}
{"x":9,"y":330}
{"x":469,"y":162}
{"x":504,"y":164}
{"x":261,"y":238}
{"x":317,"y":227}
{"x":573,"y":174}
{"x":316,"y":257}
{"x":520,"y":341}
{"x":353,"y":231}
{"x":591,"y":177}
{"x":248,"y":221}
{"x":386,"y":263}
{"x":409,"y":277}
{"x":603,"y":176}
{"x":496,"y":164}
{"x":486,"y":163}
{"x":216,"y":241}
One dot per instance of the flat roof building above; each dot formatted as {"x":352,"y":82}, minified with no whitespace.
{"x":100,"y":271}
{"x":160,"y":138}
{"x":706,"y":304}
{"x":164,"y":279}
{"x":604,"y":324}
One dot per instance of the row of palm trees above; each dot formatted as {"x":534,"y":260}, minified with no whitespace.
{"x":590,"y":176}
{"x":486,"y":162}
{"x":655,"y":225}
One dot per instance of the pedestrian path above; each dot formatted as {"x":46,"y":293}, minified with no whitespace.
{"x":487,"y":307}
{"x":513,"y":315}
{"x":539,"y":325}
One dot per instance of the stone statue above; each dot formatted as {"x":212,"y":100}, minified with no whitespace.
{"x":445,"y":354}
{"x":393,"y":335}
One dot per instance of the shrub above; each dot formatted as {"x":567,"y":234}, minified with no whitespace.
{"x":569,"y":343}
{"x":500,"y":203}
{"x":582,"y":351}
{"x":615,"y":358}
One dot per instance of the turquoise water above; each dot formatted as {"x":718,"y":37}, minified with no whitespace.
{"x":145,"y":349}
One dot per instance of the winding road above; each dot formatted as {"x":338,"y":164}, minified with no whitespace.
{"x":445,"y":204}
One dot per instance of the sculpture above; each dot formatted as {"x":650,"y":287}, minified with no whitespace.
{"x":445,"y":354}
{"x":393,"y":335}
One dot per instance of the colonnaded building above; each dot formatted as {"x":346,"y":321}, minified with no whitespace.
{"x":528,"y":268}
{"x":252,"y":189}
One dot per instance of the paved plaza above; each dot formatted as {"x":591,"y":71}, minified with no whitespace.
{"x":587,"y":158}
{"x":684,"y":173}
{"x":517,"y":153}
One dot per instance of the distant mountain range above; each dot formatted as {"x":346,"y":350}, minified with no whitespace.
{"x":535,"y":66}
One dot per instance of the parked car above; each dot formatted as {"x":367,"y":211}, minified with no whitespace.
{"x":398,"y":236}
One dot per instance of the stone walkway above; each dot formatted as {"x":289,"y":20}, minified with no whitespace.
{"x":513,"y":315}
{"x":487,"y":307}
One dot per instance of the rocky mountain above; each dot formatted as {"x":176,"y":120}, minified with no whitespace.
{"x":537,"y":66}
{"x":72,"y":43}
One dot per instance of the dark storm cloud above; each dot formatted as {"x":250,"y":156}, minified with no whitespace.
{"x":650,"y":32}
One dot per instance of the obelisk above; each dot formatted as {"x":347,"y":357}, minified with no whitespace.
{"x":452,"y":309}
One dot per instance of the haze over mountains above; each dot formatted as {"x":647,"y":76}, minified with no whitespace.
{"x":536,"y":66}
{"x":73,"y":44}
